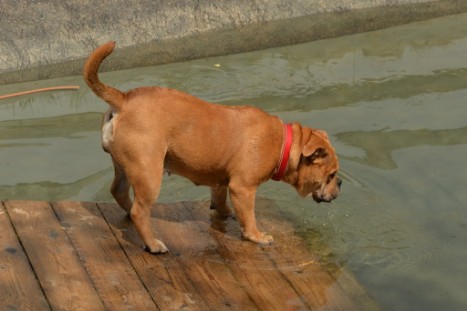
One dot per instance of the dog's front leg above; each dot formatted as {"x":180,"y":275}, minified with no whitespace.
{"x":243,"y":200}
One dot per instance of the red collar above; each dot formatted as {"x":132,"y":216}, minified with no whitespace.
{"x":285,"y":153}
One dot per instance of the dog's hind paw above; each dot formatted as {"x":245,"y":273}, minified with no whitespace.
{"x":158,"y":248}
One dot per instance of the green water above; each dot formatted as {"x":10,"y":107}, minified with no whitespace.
{"x":393,"y":103}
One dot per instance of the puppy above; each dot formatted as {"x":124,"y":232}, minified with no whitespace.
{"x":152,"y":130}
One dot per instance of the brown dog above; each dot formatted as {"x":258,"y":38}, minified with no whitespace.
{"x":150,"y":130}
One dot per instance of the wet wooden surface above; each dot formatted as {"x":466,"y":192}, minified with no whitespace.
{"x":87,"y":256}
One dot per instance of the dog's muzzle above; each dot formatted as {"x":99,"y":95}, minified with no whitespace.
{"x":322,"y":197}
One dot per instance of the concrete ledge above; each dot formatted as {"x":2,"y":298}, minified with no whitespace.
{"x":49,"y":39}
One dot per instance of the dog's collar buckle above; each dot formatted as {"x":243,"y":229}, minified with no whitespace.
{"x":285,"y":153}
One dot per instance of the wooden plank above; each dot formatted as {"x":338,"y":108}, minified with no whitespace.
{"x":99,"y":263}
{"x":304,"y":272}
{"x":196,"y":251}
{"x":164,"y":278}
{"x":111,"y":272}
{"x":19,"y":288}
{"x":314,"y":287}
{"x":53,"y":258}
{"x":250,"y":265}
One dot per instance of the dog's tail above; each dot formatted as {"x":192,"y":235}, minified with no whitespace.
{"x":112,"y":96}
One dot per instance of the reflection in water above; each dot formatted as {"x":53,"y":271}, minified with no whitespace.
{"x":380,"y":145}
{"x":52,"y":158}
{"x":393,"y":102}
{"x":68,"y":126}
{"x":48,"y":190}
{"x":375,"y":90}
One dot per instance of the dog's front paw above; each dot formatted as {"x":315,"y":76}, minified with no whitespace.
{"x":156,"y":248}
{"x":260,"y":238}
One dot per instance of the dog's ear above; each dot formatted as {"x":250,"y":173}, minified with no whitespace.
{"x":320,"y":133}
{"x":315,"y":146}
{"x":311,"y":154}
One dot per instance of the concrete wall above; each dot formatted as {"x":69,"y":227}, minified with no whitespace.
{"x":42,"y":39}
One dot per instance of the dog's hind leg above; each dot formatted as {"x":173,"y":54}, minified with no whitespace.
{"x":219,"y":201}
{"x":120,"y":188}
{"x":146,"y":186}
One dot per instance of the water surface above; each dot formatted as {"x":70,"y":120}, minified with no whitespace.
{"x":393,"y":103}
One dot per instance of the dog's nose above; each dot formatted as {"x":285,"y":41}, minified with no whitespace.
{"x":339,"y":182}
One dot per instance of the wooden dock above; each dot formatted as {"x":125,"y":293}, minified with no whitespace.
{"x":87,"y":256}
